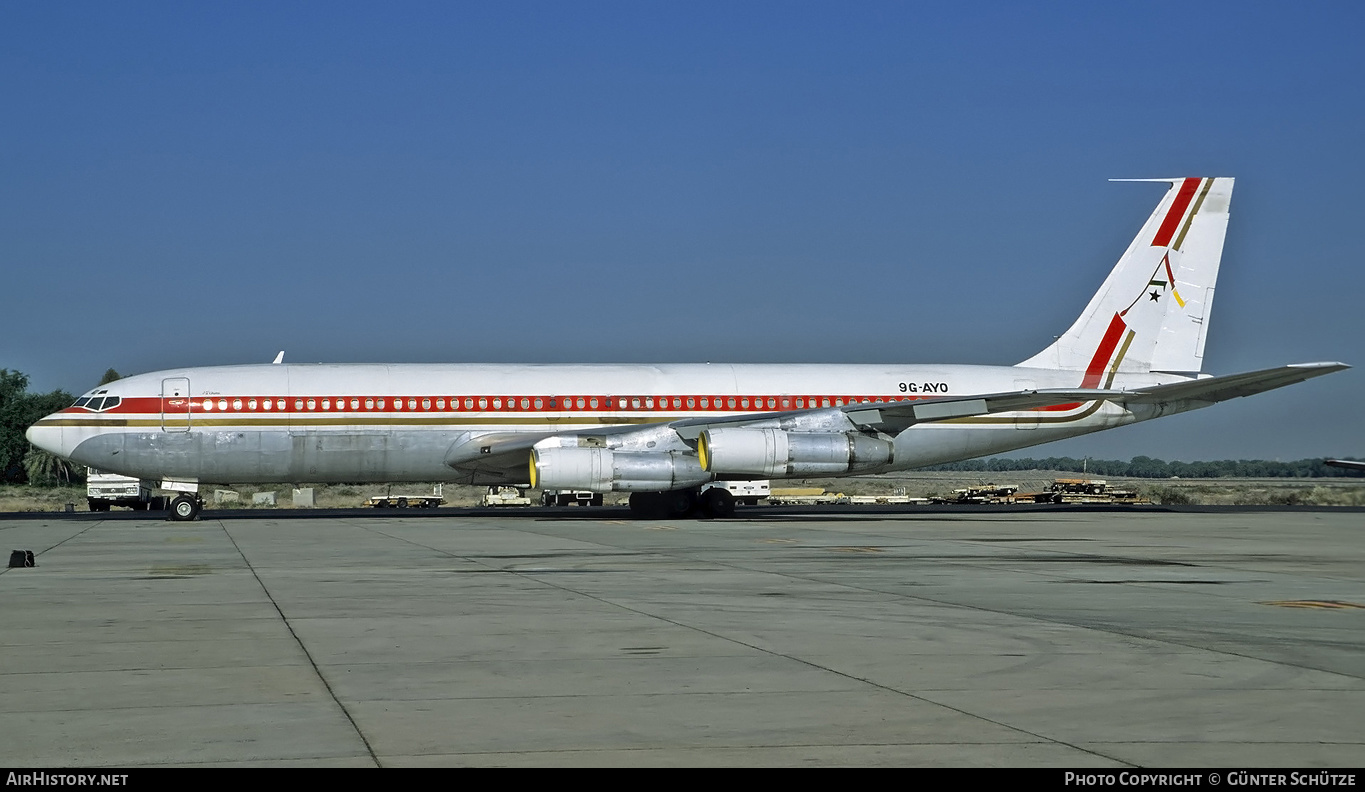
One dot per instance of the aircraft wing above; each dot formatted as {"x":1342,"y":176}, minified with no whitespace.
{"x":1232,"y":386}
{"x":505,"y":453}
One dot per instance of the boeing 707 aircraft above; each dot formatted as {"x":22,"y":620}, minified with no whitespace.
{"x":661,"y":432}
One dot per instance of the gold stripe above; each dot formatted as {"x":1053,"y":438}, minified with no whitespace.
{"x":1123,"y":350}
{"x":994,"y":420}
{"x":1180,"y":240}
{"x":1177,"y":297}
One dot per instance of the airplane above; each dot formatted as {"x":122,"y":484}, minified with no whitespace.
{"x":662,"y":432}
{"x":1349,"y":464}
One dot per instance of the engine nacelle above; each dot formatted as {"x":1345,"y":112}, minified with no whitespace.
{"x":776,"y":453}
{"x":604,"y":470}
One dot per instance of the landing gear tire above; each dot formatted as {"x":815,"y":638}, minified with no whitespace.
{"x":647,"y":505}
{"x":679,"y":503}
{"x":185,"y":508}
{"x":717,"y":502}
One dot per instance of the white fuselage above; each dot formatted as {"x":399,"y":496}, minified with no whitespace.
{"x":373,"y":423}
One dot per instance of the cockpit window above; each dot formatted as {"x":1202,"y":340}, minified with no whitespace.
{"x":82,"y":401}
{"x":100,"y":404}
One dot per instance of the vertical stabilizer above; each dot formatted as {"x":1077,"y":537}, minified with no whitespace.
{"x":1152,"y":311}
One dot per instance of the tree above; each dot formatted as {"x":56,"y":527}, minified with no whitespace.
{"x":19,"y":409}
{"x":110,"y":376}
{"x":45,"y":468}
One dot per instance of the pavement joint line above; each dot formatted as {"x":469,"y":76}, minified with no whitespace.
{"x":321,"y":678}
{"x":39,"y":553}
{"x":761,"y":650}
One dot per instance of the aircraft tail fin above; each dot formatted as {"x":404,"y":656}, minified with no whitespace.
{"x":1152,"y":312}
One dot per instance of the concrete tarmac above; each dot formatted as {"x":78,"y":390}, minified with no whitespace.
{"x":538,"y":637}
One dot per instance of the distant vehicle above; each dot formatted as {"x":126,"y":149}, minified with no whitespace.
{"x":569,"y":497}
{"x":103,"y":490}
{"x":748,"y":493}
{"x":505,"y":496}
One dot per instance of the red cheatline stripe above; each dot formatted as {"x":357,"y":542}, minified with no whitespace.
{"x":1095,"y":370}
{"x":1169,"y":274}
{"x":1177,"y":212}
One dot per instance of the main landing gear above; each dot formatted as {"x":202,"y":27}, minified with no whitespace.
{"x":186,"y":507}
{"x":711,"y":503}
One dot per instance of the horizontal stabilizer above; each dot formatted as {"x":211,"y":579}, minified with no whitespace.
{"x":1232,"y":386}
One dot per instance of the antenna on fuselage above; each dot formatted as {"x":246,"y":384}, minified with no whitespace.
{"x":279,"y":358}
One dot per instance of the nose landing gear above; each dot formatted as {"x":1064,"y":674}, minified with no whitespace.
{"x":185,"y":508}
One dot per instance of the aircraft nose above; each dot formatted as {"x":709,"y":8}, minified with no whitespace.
{"x":48,"y":438}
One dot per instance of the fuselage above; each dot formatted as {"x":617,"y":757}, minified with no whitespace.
{"x":388,"y":423}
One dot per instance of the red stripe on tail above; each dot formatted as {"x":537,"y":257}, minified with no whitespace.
{"x":1177,"y":213}
{"x":1095,"y":370}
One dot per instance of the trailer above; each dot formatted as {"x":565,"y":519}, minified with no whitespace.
{"x":1088,"y":491}
{"x":391,"y":501}
{"x":986,"y":493}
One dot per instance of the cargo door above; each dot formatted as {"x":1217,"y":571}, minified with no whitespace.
{"x":176,"y":407}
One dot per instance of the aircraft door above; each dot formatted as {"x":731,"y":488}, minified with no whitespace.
{"x":176,"y":406}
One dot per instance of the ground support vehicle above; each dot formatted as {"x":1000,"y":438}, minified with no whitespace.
{"x":568,"y":497}
{"x":104,"y":490}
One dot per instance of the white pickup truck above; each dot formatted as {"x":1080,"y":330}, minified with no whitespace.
{"x":103,"y":490}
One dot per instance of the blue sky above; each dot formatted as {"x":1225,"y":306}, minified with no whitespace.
{"x":198,"y":184}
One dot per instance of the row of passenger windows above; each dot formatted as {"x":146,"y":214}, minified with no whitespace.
{"x":537,"y":403}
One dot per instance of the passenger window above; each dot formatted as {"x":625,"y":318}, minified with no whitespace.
{"x":236,"y":404}
{"x":771,"y":402}
{"x":580,"y":402}
{"x":649,"y":402}
{"x":265,"y":404}
{"x":497,"y":404}
{"x":441,"y":404}
{"x":369,"y":404}
{"x":824,"y":402}
{"x":298,"y":404}
{"x":539,"y":404}
{"x":732,"y":402}
{"x":280,"y":404}
{"x":207,"y":405}
{"x":426,"y":404}
{"x":469,"y":404}
{"x":676,"y":402}
{"x":326,"y":404}
{"x":525,"y":403}
{"x":744,"y":402}
{"x":635,"y":403}
{"x":691,"y":402}
{"x":593,"y":402}
{"x":355,"y":404}
{"x":222,"y":404}
{"x":800,"y":403}
{"x":251,"y":404}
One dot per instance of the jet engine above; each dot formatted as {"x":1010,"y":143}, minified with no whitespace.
{"x":604,"y":470}
{"x":777,"y":453}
